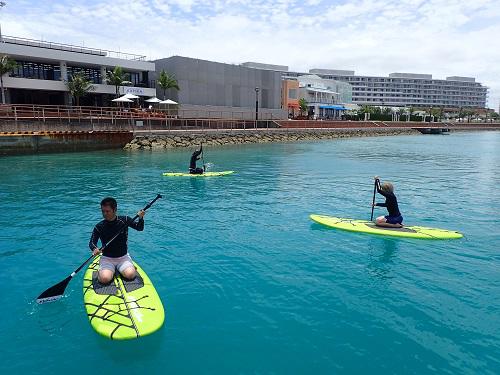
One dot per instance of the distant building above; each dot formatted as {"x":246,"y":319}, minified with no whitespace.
{"x":326,"y":98}
{"x":290,"y":97}
{"x":212,"y":89}
{"x":43,"y":67}
{"x":409,"y":89}
{"x":400,"y":89}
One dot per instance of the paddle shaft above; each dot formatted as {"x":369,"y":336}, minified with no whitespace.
{"x":373,"y":201}
{"x":202,"y":159}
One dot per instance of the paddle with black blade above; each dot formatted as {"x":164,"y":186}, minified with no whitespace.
{"x":55,"y":292}
{"x":373,"y":201}
{"x":202,"y":159}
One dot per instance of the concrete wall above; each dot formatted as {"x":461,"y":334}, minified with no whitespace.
{"x":43,"y":143}
{"x":238,"y":113}
{"x":207,"y":83}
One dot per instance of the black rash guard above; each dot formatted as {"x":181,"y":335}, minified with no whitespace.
{"x":106,"y":230}
{"x":194,"y":157}
{"x":390,"y":202}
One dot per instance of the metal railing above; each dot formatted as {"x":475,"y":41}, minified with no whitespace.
{"x":15,"y":117}
{"x":71,"y":48}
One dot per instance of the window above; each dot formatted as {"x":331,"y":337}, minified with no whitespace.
{"x":35,"y":70}
{"x":134,"y":78}
{"x":292,"y":93}
{"x":92,"y":74}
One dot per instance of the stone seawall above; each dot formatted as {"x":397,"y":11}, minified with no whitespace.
{"x":220,"y":138}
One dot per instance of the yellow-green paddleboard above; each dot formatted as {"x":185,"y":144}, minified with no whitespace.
{"x":206,"y":174}
{"x":365,"y":226}
{"x":123,"y":309}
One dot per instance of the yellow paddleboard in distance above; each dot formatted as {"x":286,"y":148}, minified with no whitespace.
{"x":206,"y":174}
{"x":122,"y":310}
{"x":365,"y":226}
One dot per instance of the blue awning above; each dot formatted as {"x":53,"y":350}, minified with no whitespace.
{"x":339,"y":107}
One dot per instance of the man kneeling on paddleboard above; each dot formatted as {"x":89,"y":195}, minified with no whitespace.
{"x":115,"y":256}
{"x":192,"y":163}
{"x":394,"y":219}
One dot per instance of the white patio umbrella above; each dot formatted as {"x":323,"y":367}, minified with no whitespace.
{"x":168,"y":101}
{"x":130,"y":96}
{"x":122,"y":99}
{"x":153,"y":100}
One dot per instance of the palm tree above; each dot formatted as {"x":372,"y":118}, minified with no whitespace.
{"x":79,"y":86}
{"x":117,"y":77}
{"x":303,"y":107}
{"x":6,"y":66}
{"x":387,"y":111}
{"x":167,"y":81}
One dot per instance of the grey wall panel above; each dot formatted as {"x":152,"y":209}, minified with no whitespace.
{"x":221,"y":85}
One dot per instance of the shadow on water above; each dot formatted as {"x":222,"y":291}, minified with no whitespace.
{"x":197,"y":183}
{"x":13,"y":252}
{"x":382,"y":253}
{"x":52,"y":318}
{"x":146,"y":348}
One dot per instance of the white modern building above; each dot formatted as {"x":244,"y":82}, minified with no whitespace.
{"x":410,"y":89}
{"x":399,"y":89}
{"x":326,"y":98}
{"x":43,"y":68}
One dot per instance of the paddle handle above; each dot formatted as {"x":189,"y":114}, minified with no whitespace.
{"x":158,"y":196}
{"x":373,"y":200}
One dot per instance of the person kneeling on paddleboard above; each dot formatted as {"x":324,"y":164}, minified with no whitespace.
{"x":192,"y":164}
{"x":394,"y":219}
{"x":115,"y":256}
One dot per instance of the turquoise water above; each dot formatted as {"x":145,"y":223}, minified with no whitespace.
{"x":249,"y":283}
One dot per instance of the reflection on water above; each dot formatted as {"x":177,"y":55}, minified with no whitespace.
{"x":381,"y":254}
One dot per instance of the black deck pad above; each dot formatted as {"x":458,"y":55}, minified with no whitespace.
{"x":404,"y":229}
{"x":107,"y":289}
{"x":131,"y":285}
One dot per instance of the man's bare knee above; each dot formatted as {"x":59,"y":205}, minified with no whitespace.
{"x":129,"y":273}
{"x":105,"y":276}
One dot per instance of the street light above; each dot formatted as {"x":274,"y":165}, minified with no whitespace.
{"x":2,"y":4}
{"x":257,"y":103}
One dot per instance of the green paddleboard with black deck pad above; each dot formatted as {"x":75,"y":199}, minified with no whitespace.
{"x":122,"y":309}
{"x":365,"y":226}
{"x":206,"y":174}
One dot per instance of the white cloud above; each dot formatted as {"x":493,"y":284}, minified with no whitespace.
{"x":441,"y":37}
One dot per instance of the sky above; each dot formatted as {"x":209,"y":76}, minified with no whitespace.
{"x":373,"y":37}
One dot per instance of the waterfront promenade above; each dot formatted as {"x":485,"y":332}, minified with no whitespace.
{"x":26,"y":129}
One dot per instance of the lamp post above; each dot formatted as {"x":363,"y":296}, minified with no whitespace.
{"x":257,"y":103}
{"x":2,"y":4}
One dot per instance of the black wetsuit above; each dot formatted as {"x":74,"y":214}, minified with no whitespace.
{"x":106,"y":230}
{"x":192,"y":164}
{"x":390,"y":202}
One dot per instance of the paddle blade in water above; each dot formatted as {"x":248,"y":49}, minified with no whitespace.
{"x":54,"y":292}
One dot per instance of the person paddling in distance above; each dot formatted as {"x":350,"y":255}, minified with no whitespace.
{"x":115,"y":256}
{"x":394,"y":219}
{"x":192,"y":165}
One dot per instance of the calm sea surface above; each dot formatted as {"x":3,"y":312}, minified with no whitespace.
{"x":249,"y":283}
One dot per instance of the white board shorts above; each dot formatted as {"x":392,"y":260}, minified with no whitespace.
{"x":113,"y":264}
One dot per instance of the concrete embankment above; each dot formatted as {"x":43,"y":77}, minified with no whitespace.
{"x":45,"y":142}
{"x":219,"y":138}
